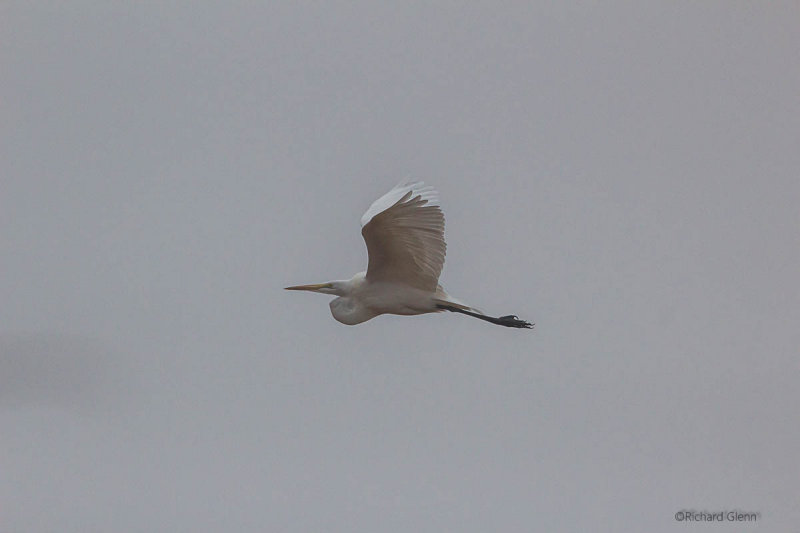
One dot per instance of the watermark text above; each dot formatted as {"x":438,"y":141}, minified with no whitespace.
{"x":691,"y":515}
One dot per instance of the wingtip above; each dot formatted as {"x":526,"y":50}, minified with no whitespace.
{"x":415,"y":187}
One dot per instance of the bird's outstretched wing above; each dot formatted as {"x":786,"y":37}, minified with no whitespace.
{"x":404,"y":232}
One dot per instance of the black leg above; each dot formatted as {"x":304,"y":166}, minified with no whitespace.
{"x":509,"y":321}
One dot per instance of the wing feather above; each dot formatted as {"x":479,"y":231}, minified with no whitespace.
{"x":404,"y":232}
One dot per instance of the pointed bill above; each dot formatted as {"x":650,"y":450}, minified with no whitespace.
{"x":315,"y":287}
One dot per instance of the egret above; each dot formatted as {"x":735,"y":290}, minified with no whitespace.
{"x":404,"y":232}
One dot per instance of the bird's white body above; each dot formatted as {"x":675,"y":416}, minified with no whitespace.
{"x":363,"y":300}
{"x":404,"y":233}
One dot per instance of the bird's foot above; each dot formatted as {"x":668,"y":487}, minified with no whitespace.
{"x":513,"y":321}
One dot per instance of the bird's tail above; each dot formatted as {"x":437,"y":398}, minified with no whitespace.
{"x":441,"y":298}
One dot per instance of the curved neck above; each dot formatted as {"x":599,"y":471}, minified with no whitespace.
{"x":346,"y":287}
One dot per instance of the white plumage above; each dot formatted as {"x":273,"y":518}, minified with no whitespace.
{"x":404,"y":233}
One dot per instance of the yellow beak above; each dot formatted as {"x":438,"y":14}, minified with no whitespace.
{"x":313,"y":288}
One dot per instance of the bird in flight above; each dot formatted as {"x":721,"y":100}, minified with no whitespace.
{"x":404,"y":232}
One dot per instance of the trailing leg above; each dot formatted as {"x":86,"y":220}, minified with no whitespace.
{"x":510,"y":321}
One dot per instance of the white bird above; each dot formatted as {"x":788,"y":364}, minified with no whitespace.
{"x":404,"y":232}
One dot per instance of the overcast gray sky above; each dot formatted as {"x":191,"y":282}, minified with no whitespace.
{"x":625,"y":175}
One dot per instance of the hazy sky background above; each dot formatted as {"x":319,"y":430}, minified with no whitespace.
{"x":625,"y":175}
